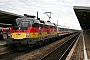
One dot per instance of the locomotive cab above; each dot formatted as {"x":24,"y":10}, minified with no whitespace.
{"x":22,"y":31}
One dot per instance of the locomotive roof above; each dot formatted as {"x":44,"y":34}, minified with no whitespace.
{"x":38,"y":21}
{"x":25,"y":18}
{"x":34,"y":20}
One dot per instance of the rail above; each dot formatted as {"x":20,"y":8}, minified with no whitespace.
{"x":61,"y":52}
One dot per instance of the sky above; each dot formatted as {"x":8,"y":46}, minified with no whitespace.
{"x":62,"y":10}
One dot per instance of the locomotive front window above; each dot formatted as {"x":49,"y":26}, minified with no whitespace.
{"x":22,"y":23}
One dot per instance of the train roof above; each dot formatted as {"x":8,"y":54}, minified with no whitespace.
{"x":49,"y":23}
{"x":60,"y":26}
{"x":25,"y":18}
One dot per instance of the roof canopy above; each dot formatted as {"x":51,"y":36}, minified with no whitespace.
{"x":83,"y":15}
{"x":7,"y":18}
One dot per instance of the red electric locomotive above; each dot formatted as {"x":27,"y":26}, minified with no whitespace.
{"x":30,"y":31}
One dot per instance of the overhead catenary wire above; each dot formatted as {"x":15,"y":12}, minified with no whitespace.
{"x":44,"y":9}
{"x":68,"y":11}
{"x":66,"y":7}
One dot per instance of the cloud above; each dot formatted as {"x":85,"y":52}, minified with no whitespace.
{"x":62,"y":10}
{"x":3,"y":1}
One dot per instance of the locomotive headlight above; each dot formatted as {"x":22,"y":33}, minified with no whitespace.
{"x":27,"y":35}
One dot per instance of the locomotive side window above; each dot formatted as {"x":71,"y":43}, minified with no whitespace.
{"x":51,"y":27}
{"x":35,"y":25}
{"x":46,"y":26}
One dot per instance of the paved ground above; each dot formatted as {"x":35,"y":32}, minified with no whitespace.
{"x":3,"y":48}
{"x":77,"y":52}
{"x":87,"y":44}
{"x":82,"y":48}
{"x":2,"y":42}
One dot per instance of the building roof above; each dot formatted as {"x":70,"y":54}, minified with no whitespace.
{"x":6,"y":18}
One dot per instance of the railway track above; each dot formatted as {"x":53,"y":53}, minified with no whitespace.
{"x":11,"y":55}
{"x":61,"y":52}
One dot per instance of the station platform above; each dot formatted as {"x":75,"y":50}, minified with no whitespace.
{"x":81,"y":49}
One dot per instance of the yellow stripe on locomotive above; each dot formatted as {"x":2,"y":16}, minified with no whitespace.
{"x":18,"y":35}
{"x":25,"y":35}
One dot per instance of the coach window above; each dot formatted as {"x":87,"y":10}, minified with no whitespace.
{"x":62,"y":29}
{"x":65,"y":29}
{"x":59,"y":29}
